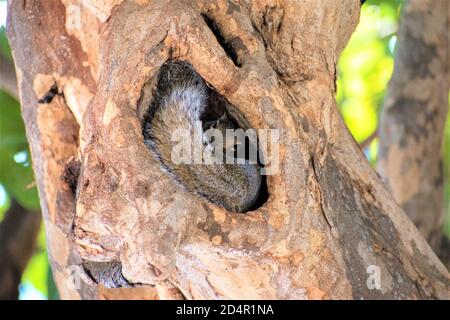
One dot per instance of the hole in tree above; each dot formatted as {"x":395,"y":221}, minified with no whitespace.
{"x":217,"y":112}
{"x":226,"y":45}
{"x":263,"y":195}
{"x":71,"y":174}
{"x":217,"y":106}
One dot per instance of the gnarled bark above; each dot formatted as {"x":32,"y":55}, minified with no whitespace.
{"x":414,"y":116}
{"x":328,"y":220}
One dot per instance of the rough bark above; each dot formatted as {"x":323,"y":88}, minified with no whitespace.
{"x":413,"y":120}
{"x":328,"y":217}
{"x":18,"y":233}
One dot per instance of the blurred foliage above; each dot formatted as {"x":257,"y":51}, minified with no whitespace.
{"x":16,"y":174}
{"x":364,"y":70}
{"x":365,"y":67}
{"x":446,"y":151}
{"x":17,"y":180}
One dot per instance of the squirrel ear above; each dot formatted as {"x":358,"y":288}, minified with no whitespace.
{"x":209,"y":124}
{"x":215,"y":123}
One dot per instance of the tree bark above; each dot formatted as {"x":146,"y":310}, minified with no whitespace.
{"x":113,"y":218}
{"x":413,"y":120}
{"x":18,"y":233}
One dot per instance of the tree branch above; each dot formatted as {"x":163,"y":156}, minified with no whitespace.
{"x":18,"y":233}
{"x":413,"y":119}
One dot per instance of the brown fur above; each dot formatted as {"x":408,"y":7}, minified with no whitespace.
{"x":182,"y":97}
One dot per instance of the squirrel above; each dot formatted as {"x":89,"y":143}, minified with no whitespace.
{"x":183,"y":100}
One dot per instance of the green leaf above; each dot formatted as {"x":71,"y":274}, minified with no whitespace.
{"x":5,"y":50}
{"x":53,"y":293}
{"x":36,"y":271}
{"x":16,"y":174}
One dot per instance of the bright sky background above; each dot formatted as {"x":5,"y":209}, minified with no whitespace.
{"x":2,"y":13}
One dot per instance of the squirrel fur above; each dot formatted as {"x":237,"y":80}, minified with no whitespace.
{"x":183,"y":100}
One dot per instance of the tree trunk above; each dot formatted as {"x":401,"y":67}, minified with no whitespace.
{"x":329,"y":228}
{"x":19,"y":230}
{"x":414,"y":116}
